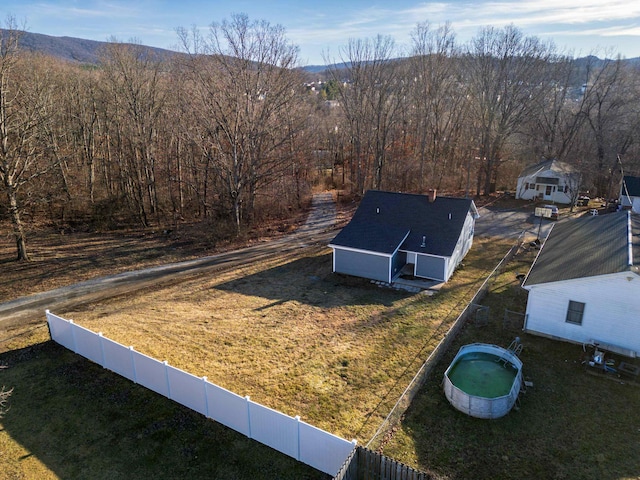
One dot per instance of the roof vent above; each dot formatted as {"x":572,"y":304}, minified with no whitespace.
{"x":377,"y":210}
{"x":432,"y":195}
{"x":424,"y":242}
{"x":449,"y":215}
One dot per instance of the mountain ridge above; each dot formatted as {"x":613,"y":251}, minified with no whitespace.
{"x":86,"y":51}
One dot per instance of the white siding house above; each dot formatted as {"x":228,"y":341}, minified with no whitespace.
{"x":550,"y":181}
{"x":584,"y":286}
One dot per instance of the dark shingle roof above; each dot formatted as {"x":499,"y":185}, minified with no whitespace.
{"x":587,"y":246}
{"x":383,"y":219}
{"x":631,"y":186}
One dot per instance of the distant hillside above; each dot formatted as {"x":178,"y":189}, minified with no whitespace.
{"x":69,"y":48}
{"x":87,"y":51}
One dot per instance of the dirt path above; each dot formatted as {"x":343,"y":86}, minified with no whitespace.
{"x":319,"y":228}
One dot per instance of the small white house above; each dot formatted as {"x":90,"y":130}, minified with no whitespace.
{"x":584,"y":286}
{"x":549,"y":181}
{"x":630,"y":193}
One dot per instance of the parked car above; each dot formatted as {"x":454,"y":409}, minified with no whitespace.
{"x":583,"y":201}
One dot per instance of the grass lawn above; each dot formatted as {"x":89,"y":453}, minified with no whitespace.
{"x":570,"y":425}
{"x":335,"y":350}
{"x":72,"y":419}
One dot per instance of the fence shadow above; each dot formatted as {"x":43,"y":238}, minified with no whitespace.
{"x":75,"y":419}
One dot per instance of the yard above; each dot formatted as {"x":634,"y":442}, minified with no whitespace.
{"x":571,"y":424}
{"x":293,"y":336}
{"x":333,"y":349}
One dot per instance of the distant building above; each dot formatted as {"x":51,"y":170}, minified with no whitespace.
{"x":549,"y":181}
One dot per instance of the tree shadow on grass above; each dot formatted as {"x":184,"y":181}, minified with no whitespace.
{"x":83,"y":421}
{"x":309,"y":280}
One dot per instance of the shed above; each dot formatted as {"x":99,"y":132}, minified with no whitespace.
{"x":389,"y":230}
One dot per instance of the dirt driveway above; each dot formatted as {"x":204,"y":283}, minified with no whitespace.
{"x":319,"y":228}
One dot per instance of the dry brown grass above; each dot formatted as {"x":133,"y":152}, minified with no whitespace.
{"x":569,"y":425}
{"x":293,"y":335}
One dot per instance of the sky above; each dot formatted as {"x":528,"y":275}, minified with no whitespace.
{"x":321,"y":29}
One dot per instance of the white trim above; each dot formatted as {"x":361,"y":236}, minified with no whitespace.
{"x":358,"y":250}
{"x":426,"y":254}
{"x":599,"y":278}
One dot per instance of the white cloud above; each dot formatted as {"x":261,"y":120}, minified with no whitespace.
{"x":98,"y":10}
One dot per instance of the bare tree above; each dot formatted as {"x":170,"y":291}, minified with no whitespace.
{"x":371,"y":97}
{"x":609,"y":106}
{"x":556,"y":116}
{"x":438,"y":104}
{"x":245,"y":89}
{"x":83,"y":106}
{"x":26,"y":151}
{"x":132,"y":82}
{"x":505,"y":74}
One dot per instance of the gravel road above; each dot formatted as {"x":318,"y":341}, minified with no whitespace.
{"x":318,"y":229}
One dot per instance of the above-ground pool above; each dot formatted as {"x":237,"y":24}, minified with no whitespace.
{"x":483,"y":380}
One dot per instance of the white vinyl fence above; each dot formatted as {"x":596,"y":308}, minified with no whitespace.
{"x":289,"y":435}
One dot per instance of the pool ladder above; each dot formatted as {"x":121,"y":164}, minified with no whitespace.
{"x":515,"y":348}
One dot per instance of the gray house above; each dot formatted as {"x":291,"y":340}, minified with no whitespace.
{"x":389,"y":230}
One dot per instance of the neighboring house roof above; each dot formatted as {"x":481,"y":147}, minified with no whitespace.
{"x":631,"y":186}
{"x":588,"y":246}
{"x":548,"y":165}
{"x":385,"y":221}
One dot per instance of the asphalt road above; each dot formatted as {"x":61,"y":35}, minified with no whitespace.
{"x":319,"y":229}
{"x":495,"y":222}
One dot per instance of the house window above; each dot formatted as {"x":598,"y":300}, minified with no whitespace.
{"x":575,"y":312}
{"x":566,"y":188}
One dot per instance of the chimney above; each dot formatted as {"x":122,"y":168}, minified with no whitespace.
{"x":432,"y":195}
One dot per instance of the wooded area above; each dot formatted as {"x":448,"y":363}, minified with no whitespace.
{"x":229,"y":133}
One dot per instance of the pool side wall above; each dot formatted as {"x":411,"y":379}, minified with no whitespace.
{"x":481,"y":407}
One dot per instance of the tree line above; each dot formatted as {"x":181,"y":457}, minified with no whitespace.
{"x":226,"y":133}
